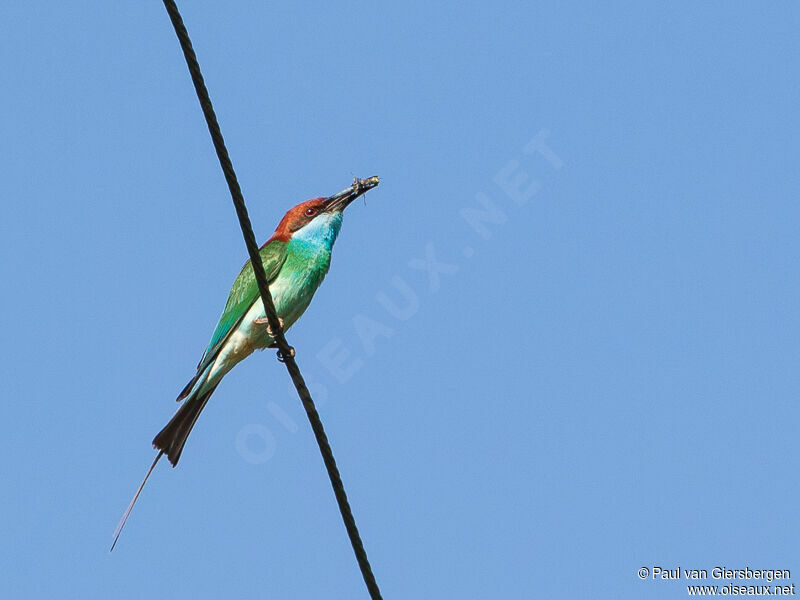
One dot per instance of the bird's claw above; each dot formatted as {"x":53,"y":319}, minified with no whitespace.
{"x":274,"y":344}
{"x":282,"y":356}
{"x":265,"y":321}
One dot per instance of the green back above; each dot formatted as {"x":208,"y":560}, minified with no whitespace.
{"x":243,"y":294}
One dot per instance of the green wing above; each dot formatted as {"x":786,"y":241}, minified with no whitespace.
{"x":243,"y":294}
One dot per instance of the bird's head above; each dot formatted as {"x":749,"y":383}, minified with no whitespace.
{"x":319,"y":219}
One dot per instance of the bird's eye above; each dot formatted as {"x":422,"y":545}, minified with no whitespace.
{"x":310,"y":212}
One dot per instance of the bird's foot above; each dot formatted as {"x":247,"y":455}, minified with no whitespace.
{"x":265,"y":321}
{"x":281,"y":356}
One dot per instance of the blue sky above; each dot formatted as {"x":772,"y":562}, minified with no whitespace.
{"x":564,"y":329}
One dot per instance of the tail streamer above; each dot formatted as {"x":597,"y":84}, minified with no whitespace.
{"x":128,"y":510}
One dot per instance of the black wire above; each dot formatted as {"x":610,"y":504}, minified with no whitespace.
{"x":285,"y":350}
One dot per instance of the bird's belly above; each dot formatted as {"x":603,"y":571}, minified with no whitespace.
{"x":238,"y":347}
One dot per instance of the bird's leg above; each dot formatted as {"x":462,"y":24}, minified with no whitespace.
{"x":265,"y":321}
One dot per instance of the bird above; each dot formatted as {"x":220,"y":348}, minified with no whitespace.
{"x":295,"y":260}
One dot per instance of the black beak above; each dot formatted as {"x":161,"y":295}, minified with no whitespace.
{"x":342,"y":199}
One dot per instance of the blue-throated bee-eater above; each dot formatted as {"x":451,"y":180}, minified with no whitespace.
{"x":295,"y":260}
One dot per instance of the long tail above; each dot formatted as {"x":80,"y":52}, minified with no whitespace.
{"x":170,"y":441}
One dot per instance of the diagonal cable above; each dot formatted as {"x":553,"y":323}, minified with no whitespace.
{"x":286,"y":352}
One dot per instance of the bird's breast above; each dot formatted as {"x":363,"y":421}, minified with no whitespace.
{"x":292,"y":290}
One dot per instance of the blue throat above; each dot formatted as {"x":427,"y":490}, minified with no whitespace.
{"x":321,"y":232}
